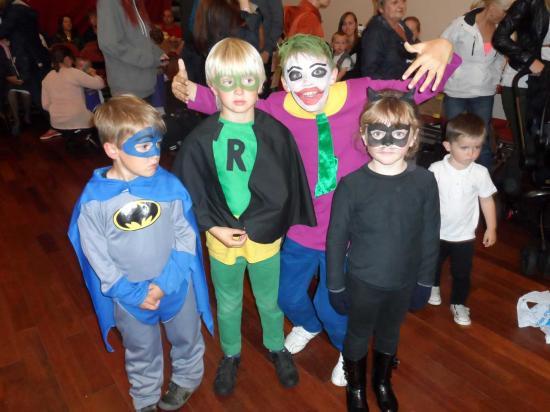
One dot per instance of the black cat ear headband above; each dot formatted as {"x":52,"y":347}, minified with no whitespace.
{"x":373,"y":96}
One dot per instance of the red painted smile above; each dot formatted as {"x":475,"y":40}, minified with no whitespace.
{"x":310,"y":96}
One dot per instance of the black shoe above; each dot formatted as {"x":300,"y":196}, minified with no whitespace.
{"x":285,"y":368}
{"x":174,"y":398}
{"x":381,"y":382}
{"x":356,"y":393}
{"x":226,"y":375}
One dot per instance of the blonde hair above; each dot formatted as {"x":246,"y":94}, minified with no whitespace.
{"x":485,"y":3}
{"x":122,"y":116}
{"x":234,"y":57}
{"x":392,"y":109}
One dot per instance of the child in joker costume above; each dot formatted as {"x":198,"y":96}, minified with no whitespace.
{"x":323,"y":116}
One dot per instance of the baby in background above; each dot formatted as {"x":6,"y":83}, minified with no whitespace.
{"x":341,"y":57}
{"x":85,"y":65}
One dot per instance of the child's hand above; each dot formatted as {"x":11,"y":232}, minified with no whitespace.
{"x":339,"y":301}
{"x":432,"y":59}
{"x":182,"y":87}
{"x":155,"y":292}
{"x":489,"y":237}
{"x":150,"y":304}
{"x":228,"y":236}
{"x":152,"y":300}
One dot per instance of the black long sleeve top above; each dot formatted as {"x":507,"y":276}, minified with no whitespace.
{"x":389,"y":226}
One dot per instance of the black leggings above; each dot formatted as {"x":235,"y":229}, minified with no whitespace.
{"x":462,"y":254}
{"x":374,"y":312}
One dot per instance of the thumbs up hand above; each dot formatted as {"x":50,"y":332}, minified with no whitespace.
{"x":183,"y":88}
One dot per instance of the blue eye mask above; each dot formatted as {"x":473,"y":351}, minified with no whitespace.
{"x":378,"y":134}
{"x":145,"y":143}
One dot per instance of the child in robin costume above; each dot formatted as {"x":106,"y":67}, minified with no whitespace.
{"x":248,"y":186}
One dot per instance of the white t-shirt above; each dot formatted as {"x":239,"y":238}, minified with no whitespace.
{"x":459,"y":193}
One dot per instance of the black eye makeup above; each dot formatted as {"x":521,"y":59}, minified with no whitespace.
{"x":319,"y":72}
{"x":294,"y":75}
{"x":379,"y":134}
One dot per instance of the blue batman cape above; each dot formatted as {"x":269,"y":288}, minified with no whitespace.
{"x":161,"y":187}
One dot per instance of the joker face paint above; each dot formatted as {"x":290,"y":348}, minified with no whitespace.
{"x":308,"y":79}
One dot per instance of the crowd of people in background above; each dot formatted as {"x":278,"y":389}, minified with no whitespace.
{"x":143,"y":48}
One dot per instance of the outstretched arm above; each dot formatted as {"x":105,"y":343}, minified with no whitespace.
{"x":433,"y":57}
{"x":404,"y":85}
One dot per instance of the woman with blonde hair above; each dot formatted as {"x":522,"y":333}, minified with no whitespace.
{"x":471,"y":89}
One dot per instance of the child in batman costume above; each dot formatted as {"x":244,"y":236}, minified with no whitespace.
{"x":323,"y":117}
{"x":248,"y":186}
{"x":136,"y":239}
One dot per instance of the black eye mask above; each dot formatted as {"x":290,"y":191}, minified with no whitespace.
{"x":378,"y":134}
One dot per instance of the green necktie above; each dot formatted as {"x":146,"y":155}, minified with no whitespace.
{"x":328,"y":163}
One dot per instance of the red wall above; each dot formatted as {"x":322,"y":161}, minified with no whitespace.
{"x":50,"y":10}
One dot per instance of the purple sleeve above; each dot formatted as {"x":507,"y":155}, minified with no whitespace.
{"x":204,"y":102}
{"x":401,"y":85}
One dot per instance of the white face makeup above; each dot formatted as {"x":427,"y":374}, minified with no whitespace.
{"x":308,"y":79}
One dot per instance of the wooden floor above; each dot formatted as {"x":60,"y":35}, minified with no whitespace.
{"x":52,"y":357}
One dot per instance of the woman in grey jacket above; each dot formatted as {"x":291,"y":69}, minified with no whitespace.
{"x":472,"y":87}
{"x":131,"y":57}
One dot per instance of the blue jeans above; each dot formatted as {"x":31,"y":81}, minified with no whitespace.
{"x":481,"y":106}
{"x":298,"y":266}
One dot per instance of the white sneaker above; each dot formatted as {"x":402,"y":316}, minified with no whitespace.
{"x":461,"y":314}
{"x":435,"y":296}
{"x":338,"y":377}
{"x":297,"y":339}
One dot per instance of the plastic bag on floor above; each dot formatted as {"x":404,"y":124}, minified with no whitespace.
{"x":534,"y":310}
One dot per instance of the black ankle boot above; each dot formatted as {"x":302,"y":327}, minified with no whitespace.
{"x":356,"y":393}
{"x":381,"y":382}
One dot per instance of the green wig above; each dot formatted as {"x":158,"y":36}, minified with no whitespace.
{"x":305,"y":44}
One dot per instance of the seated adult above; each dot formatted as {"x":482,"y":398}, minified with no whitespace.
{"x":63,"y":92}
{"x":383,"y":55}
{"x":65,"y":33}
